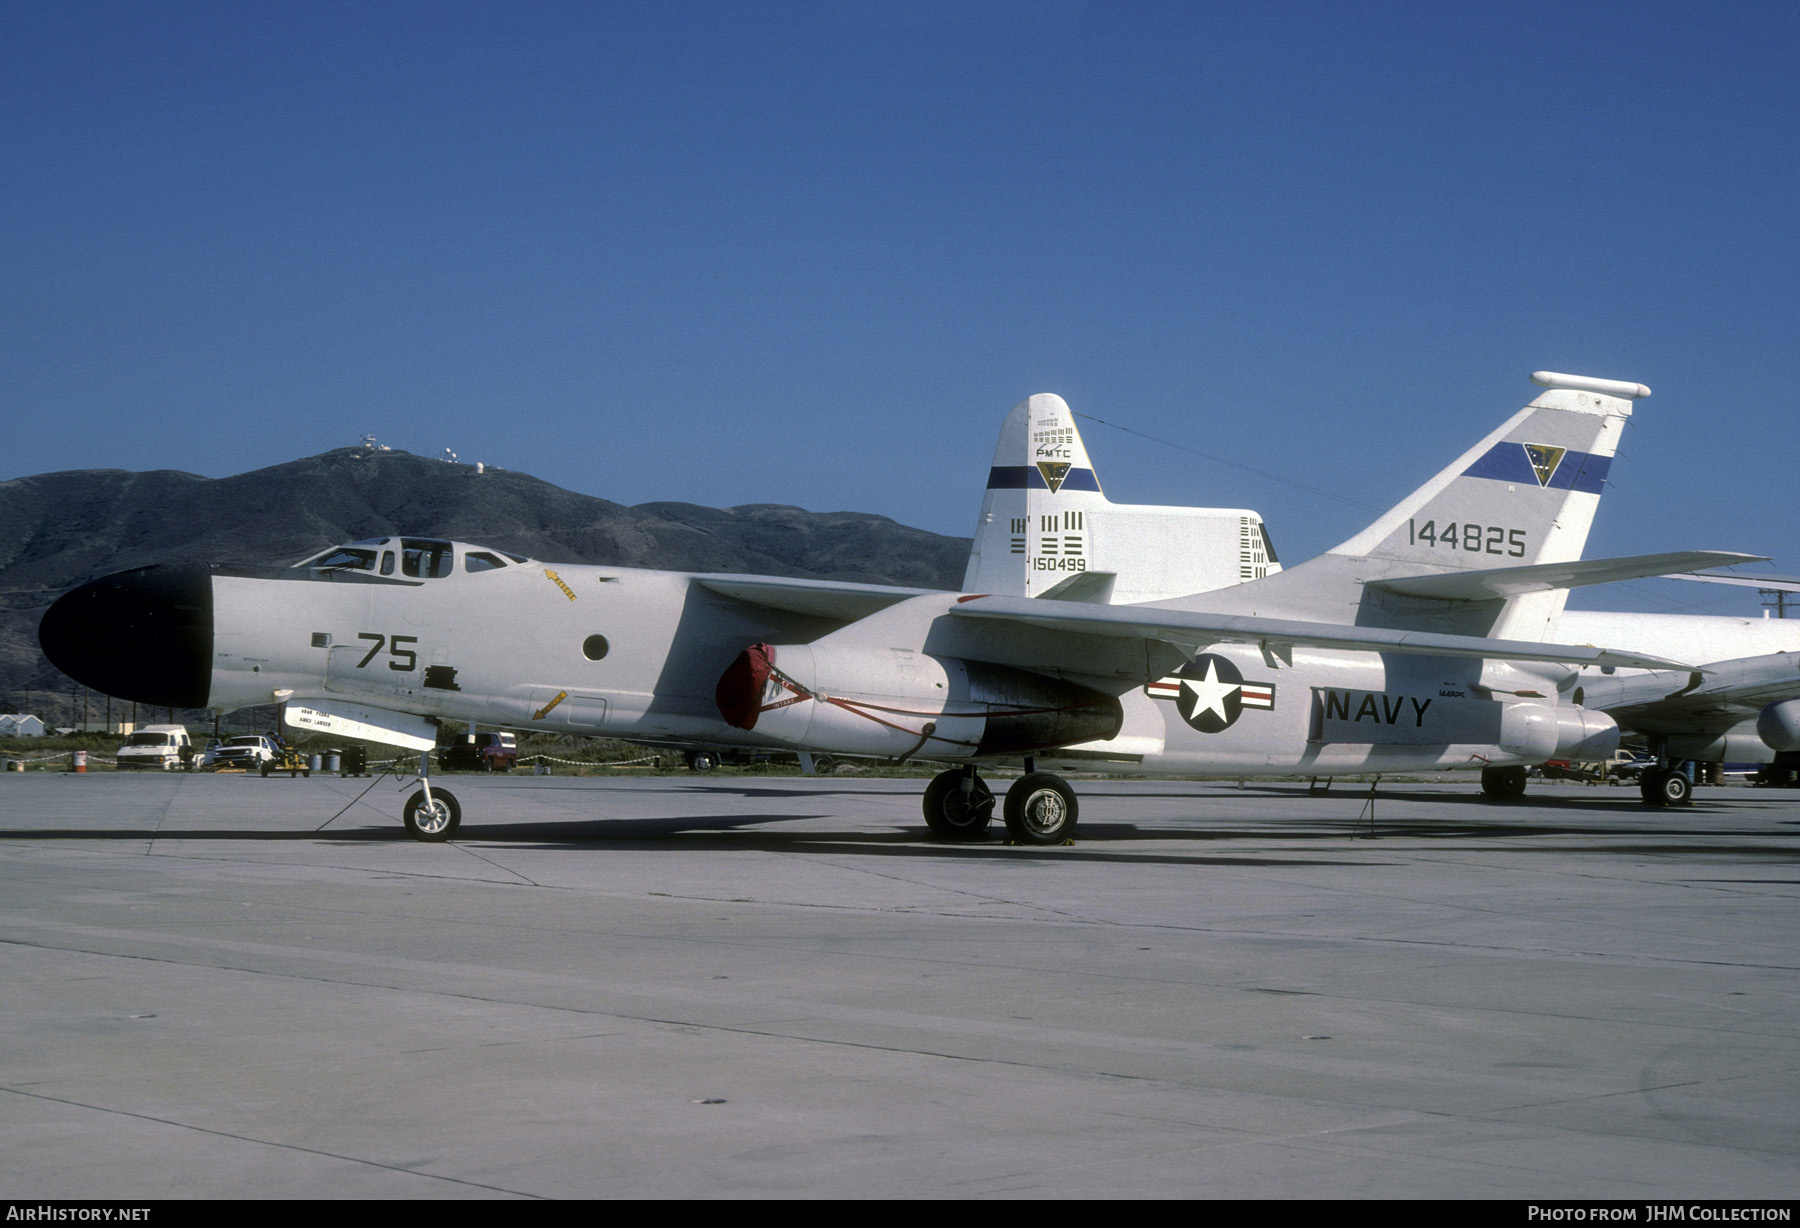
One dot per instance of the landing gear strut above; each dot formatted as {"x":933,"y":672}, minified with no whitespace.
{"x":958,"y":805}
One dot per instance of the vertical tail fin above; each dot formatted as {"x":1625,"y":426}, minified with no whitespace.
{"x":1047,"y":529}
{"x":1525,"y":494}
{"x":1033,"y":531}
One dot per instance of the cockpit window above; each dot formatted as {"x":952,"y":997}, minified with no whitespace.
{"x":482,"y":560}
{"x":425,"y":559}
{"x":345,"y":558}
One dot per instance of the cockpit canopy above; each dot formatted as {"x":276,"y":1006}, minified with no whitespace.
{"x":413,"y":558}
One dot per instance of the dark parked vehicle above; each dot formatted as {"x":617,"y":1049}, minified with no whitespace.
{"x":480,"y":752}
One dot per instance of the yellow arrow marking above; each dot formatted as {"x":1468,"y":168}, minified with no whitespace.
{"x":567,"y":591}
{"x":544,"y":711}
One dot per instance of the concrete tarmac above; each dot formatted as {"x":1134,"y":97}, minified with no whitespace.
{"x":716,"y":986}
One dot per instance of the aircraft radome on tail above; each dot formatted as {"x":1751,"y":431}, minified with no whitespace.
{"x":1418,"y":644}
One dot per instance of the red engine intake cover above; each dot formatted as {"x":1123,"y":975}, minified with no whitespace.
{"x":740,"y":690}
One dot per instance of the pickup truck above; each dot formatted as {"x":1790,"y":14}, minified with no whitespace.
{"x":247,"y":752}
{"x":480,"y":752}
{"x":1622,"y":764}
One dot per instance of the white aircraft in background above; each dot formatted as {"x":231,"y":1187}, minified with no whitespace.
{"x":1046,"y":530}
{"x":1419,"y":644}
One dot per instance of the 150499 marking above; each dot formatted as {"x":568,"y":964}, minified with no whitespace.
{"x":1475,"y":538}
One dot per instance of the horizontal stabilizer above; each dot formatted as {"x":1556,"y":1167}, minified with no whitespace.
{"x":1777,"y":584}
{"x":837,"y":599}
{"x":1091,"y":586}
{"x":1727,"y":691}
{"x":1490,"y":583}
{"x":1195,"y":629}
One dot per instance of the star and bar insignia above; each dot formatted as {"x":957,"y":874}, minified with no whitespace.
{"x":1210,"y":693}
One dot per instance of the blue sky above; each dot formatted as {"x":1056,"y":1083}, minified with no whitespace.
{"x":811,"y":253}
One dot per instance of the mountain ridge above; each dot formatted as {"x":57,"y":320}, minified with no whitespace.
{"x":61,"y":529}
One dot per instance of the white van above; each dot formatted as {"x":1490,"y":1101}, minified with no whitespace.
{"x":156,"y":746}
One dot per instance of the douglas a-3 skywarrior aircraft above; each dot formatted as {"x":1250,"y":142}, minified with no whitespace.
{"x":1743,"y":707}
{"x":1419,"y":644}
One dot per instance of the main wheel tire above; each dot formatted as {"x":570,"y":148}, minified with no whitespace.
{"x":1667,"y":787}
{"x":824,"y":765}
{"x":434,"y":823}
{"x":702,"y":761}
{"x":952,"y":814}
{"x":1504,"y":783}
{"x":1041,"y":809}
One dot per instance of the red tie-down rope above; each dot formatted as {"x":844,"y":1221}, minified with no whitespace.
{"x":763,"y":654}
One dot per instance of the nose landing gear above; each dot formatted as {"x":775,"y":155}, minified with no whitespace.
{"x":431,"y":815}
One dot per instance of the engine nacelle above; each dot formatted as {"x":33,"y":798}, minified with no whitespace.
{"x":1740,"y":744}
{"x":896,"y":702}
{"x":1583,"y":736}
{"x":1442,"y":729}
{"x":1778,"y":725}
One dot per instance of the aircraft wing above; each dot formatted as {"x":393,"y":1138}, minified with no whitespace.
{"x":1724,"y":694}
{"x":838,"y":599}
{"x":1192,"y":630}
{"x":1492,"y":582}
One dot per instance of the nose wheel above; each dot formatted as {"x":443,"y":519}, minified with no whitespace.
{"x":432,"y":819}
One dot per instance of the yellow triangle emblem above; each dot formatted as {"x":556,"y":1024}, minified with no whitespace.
{"x":1054,"y":472}
{"x":1544,"y":459}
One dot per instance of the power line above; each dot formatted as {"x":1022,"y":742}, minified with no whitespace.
{"x":1220,"y":460}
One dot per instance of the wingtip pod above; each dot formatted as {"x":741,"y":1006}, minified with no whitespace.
{"x":1587,"y":383}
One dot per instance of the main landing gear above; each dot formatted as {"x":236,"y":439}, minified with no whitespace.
{"x":1040,"y":807}
{"x":1658,"y":786}
{"x":1503,"y":783}
{"x":1666,"y":786}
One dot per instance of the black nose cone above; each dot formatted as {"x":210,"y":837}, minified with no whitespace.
{"x":144,"y":635}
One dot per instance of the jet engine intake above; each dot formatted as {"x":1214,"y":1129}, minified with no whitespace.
{"x":1778,"y":725}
